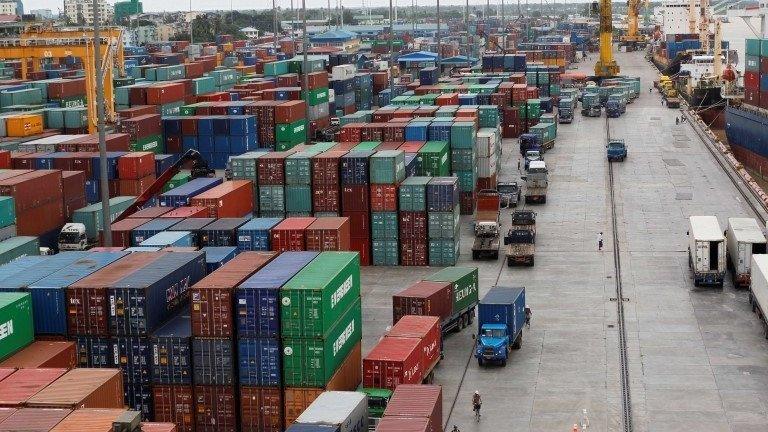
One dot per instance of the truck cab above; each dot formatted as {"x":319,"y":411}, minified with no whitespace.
{"x":536,"y":183}
{"x":509,"y":194}
{"x":617,"y":150}
{"x":73,"y":237}
{"x":612,"y":109}
{"x":530,"y":156}
{"x":501,"y":316}
{"x":528,"y":142}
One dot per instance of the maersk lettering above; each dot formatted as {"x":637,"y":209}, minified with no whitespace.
{"x":6,"y":329}
{"x":341,"y":291}
{"x":343,"y":337}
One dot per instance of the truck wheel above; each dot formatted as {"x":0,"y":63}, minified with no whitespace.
{"x":495,"y":255}
{"x":504,"y":362}
{"x":518,"y":342}
{"x":480,"y":361}
{"x":531,"y":262}
{"x":474,"y":255}
{"x":544,"y":200}
{"x":509,"y":262}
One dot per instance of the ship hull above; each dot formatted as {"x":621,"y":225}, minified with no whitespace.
{"x":746,"y":133}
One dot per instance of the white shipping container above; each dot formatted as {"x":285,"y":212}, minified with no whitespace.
{"x":343,"y":72}
{"x":743,"y":238}
{"x":486,"y":142}
{"x":331,"y":95}
{"x":346,"y":410}
{"x":706,"y":250}
{"x":759,"y":283}
{"x":486,"y":166}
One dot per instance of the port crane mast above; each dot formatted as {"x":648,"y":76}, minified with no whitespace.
{"x":633,"y":39}
{"x":606,"y":66}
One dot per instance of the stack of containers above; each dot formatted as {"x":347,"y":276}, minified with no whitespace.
{"x":355,"y":201}
{"x":363,"y":91}
{"x":318,"y":113}
{"x":230,"y":199}
{"x":291,"y":124}
{"x":326,"y":185}
{"x":244,"y":167}
{"x":412,"y":220}
{"x":136,"y":172}
{"x":756,"y":73}
{"x":270,"y":171}
{"x":344,"y":92}
{"x":172,"y":393}
{"x":488,"y":147}
{"x":213,"y":344}
{"x":387,"y":170}
{"x":443,"y":221}
{"x":298,"y":183}
{"x":254,"y":235}
{"x":182,"y":195}
{"x":259,"y":347}
{"x":464,"y":155}
{"x":320,"y":318}
{"x":38,"y":199}
{"x":145,"y":133}
{"x":290,"y":234}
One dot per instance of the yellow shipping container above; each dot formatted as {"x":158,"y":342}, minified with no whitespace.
{"x":24,"y":125}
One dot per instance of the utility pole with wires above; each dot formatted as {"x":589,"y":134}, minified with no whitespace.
{"x":99,"y":78}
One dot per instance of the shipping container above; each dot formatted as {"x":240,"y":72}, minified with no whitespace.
{"x":259,"y":362}
{"x":181,"y":195}
{"x":171,"y":347}
{"x":255,"y":234}
{"x":329,"y":234}
{"x":89,"y":420}
{"x":464,"y":281}
{"x":290,"y":234}
{"x":44,"y":354}
{"x":343,"y":411}
{"x":33,"y":420}
{"x":175,"y":404}
{"x":392,"y":362}
{"x":91,"y":216}
{"x":231,"y":199}
{"x":25,"y":383}
{"x":221,"y":232}
{"x":425,"y":328}
{"x":16,"y":314}
{"x":259,"y":297}
{"x":82,"y":388}
{"x":149,"y":229}
{"x":215,"y":409}
{"x":402,"y":424}
{"x":744,"y":238}
{"x":213,"y":361}
{"x":417,"y":402}
{"x":213,"y":297}
{"x":423,"y":298}
{"x":261,"y":409}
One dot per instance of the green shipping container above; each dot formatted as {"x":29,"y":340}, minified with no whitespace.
{"x":298,"y":167}
{"x":7,"y":212}
{"x":177,"y":180}
{"x":385,"y":252}
{"x":272,"y":201}
{"x":384,"y":225}
{"x":171,"y":109}
{"x":546,"y":132}
{"x":462,"y":160}
{"x":387,"y":167}
{"x":317,"y":96}
{"x":75,"y":118}
{"x":276,"y":68}
{"x":315,"y":299}
{"x":203,"y":85}
{"x":16,"y":247}
{"x":322,"y":146}
{"x":72,"y":102}
{"x":90,"y":216}
{"x":312,"y":362}
{"x":152,"y":143}
{"x":298,"y":199}
{"x":16,"y":326}
{"x":54,"y":118}
{"x":443,"y":252}
{"x":463,"y":135}
{"x":465,"y":283}
{"x":434,"y":159}
{"x":244,"y":166}
{"x":753,"y":46}
{"x":291,"y":134}
{"x":533,"y":108}
{"x":443,"y":224}
{"x":366,"y":146}
{"x":467,"y":180}
{"x":412,"y":194}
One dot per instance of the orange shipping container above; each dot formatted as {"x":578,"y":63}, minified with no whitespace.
{"x":82,"y":388}
{"x":24,"y":125}
{"x":229,"y":199}
{"x":44,"y":354}
{"x":89,"y":420}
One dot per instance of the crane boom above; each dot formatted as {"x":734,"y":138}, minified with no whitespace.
{"x":606,"y":66}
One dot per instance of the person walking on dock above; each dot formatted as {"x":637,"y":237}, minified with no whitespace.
{"x":528,"y":314}
{"x":477,"y":403}
{"x":600,"y":241}
{"x":677,"y":120}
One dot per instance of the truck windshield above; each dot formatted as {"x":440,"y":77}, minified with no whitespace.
{"x":69,"y":238}
{"x":493,"y":333}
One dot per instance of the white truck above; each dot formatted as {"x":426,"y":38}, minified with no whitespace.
{"x":536,"y":182}
{"x":744,"y":237}
{"x":758,"y":287}
{"x":73,"y":237}
{"x":706,"y":250}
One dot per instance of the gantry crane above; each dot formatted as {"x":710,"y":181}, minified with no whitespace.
{"x":606,"y":66}
{"x":38,"y":43}
{"x":633,"y":39}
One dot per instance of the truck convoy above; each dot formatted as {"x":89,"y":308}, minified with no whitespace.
{"x":744,"y":238}
{"x":486,"y":243}
{"x":706,"y":250}
{"x":500,"y":320}
{"x":520,"y":240}
{"x":536,"y":183}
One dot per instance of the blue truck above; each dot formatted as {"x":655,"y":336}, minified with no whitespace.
{"x":500,"y":320}
{"x":617,"y":150}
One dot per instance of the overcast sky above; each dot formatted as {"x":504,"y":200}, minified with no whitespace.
{"x":175,"y":5}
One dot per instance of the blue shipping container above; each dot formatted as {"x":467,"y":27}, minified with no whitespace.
{"x":217,"y":256}
{"x":355,"y":167}
{"x":149,"y":229}
{"x":442,"y":194}
{"x":172,"y":351}
{"x":112,"y":158}
{"x":143,"y":300}
{"x":138,"y":397}
{"x":94,"y":352}
{"x":254,"y":235}
{"x":169,"y":238}
{"x":222,"y":232}
{"x":180,"y":196}
{"x":260,"y":361}
{"x":213,"y":361}
{"x":133,"y":357}
{"x":258,"y":298}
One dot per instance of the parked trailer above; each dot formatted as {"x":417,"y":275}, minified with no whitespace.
{"x":758,"y":288}
{"x":336,"y":411}
{"x":744,"y":238}
{"x":706,"y":250}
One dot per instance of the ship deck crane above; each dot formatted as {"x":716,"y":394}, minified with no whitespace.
{"x":633,"y":39}
{"x":38,"y":43}
{"x":606,"y":66}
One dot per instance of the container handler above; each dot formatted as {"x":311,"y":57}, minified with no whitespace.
{"x":536,"y":183}
{"x":509,"y":194}
{"x":486,"y":245}
{"x":521,"y":239}
{"x":500,"y":321}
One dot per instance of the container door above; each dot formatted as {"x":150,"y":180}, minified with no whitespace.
{"x":713,"y":256}
{"x":702,"y":256}
{"x":745,"y":254}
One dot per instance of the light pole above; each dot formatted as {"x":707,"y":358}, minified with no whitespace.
{"x":391,"y":51}
{"x":439,"y":57}
{"x":304,"y":52}
{"x":104,"y":184}
{"x":274,"y":24}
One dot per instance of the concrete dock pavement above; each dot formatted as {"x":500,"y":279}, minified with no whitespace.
{"x":698,"y":358}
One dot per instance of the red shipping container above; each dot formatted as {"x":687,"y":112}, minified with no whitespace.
{"x":44,"y":354}
{"x":33,"y":189}
{"x":189,"y":125}
{"x":751,"y":80}
{"x":25,"y":161}
{"x":82,"y":388}
{"x":290,"y":111}
{"x":325,"y":167}
{"x":87,"y":303}
{"x":32,"y":419}
{"x":467,"y":203}
{"x":121,"y":231}
{"x":288,"y":80}
{"x":412,"y":146}
{"x":137,"y":96}
{"x":329,"y":234}
{"x":66,"y":88}
{"x":5,"y":373}
{"x":214,"y":97}
{"x":137,"y":110}
{"x":290,"y":234}
{"x":271,"y":168}
{"x":383,"y":197}
{"x":173,"y":144}
{"x":158,"y":427}
{"x":316,"y":80}
{"x":229,"y":199}
{"x":326,"y":199}
{"x":413,"y":225}
{"x":161,"y":94}
{"x":423,"y":298}
{"x":261,"y":409}
{"x":355,"y":198}
{"x":351,"y":132}
{"x":25,"y":383}
{"x":136,"y":165}
{"x":359,"y":224}
{"x":73,"y":191}
{"x":175,"y":404}
{"x":402,"y":424}
{"x":194,"y":70}
{"x":215,"y":408}
{"x":418,"y":402}
{"x":393,"y":361}
{"x":135,"y":187}
{"x":141,"y":126}
{"x":187,"y":212}
{"x":425,"y":328}
{"x":40,"y":220}
{"x":5,"y":159}
{"x":213,"y":302}
{"x":414,"y":252}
